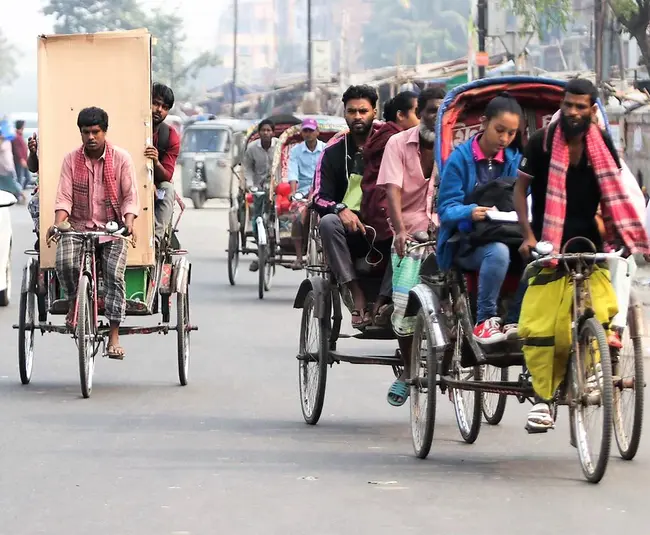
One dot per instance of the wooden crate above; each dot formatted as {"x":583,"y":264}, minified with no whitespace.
{"x":110,"y":70}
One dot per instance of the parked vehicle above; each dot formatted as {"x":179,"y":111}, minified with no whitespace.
{"x":209,"y":151}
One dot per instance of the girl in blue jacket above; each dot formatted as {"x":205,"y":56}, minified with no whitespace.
{"x":494,"y":153}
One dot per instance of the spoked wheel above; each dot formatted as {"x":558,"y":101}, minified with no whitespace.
{"x":261,"y":270}
{"x":494,"y":405}
{"x":629,"y":385}
{"x":85,"y":337}
{"x":313,"y":360}
{"x":423,"y":388}
{"x":26,"y":322}
{"x":591,"y":399}
{"x":183,"y":335}
{"x":467,"y":403}
{"x":233,"y":256}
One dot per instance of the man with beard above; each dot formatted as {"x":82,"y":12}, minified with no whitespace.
{"x":572,"y":169}
{"x":406,"y":174}
{"x":97,"y":185}
{"x":337,"y":197}
{"x":163,"y":153}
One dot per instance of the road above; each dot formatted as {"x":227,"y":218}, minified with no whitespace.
{"x":230,"y":451}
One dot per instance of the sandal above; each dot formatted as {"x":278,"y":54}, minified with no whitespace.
{"x":69,"y":318}
{"x":115,"y":352}
{"x":297,"y":264}
{"x":398,"y":393}
{"x":383,"y":315}
{"x":540,"y":419}
{"x":362,"y":318}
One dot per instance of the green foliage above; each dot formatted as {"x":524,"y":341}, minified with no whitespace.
{"x":396,"y":31}
{"x":91,"y":16}
{"x":7,"y":61}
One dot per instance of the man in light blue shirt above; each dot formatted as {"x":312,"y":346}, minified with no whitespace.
{"x":302,"y":165}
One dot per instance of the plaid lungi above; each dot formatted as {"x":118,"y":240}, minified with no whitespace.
{"x":113,"y":254}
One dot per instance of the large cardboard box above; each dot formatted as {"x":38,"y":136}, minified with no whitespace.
{"x":111,"y":70}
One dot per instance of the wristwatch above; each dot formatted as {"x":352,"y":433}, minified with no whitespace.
{"x":338,"y":208}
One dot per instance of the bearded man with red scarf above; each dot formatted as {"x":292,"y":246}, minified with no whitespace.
{"x":97,"y":185}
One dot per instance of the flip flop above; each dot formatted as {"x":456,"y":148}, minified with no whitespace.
{"x":115,"y":352}
{"x":398,"y":393}
{"x":383,"y":315}
{"x":363,"y":317}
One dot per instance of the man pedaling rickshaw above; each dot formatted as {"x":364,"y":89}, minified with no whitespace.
{"x":97,"y":185}
{"x":571,"y":168}
{"x":337,"y":199}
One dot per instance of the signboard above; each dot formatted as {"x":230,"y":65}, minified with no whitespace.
{"x":321,"y":61}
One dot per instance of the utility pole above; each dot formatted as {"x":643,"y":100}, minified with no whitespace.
{"x":310,"y":81}
{"x":234,"y":54}
{"x":598,"y":36}
{"x":482,"y":32}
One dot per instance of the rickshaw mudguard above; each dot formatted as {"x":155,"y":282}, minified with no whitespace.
{"x":181,"y":275}
{"x":320,"y":287}
{"x":29,"y":273}
{"x":635,"y":316}
{"x":423,"y":297}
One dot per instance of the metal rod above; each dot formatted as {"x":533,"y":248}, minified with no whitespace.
{"x":234,"y":54}
{"x":310,"y":80}
{"x":482,"y":32}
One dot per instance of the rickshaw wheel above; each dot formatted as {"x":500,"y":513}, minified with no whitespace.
{"x":183,"y":335}
{"x":85,"y":337}
{"x":629,"y":371}
{"x":423,"y":388}
{"x":467,"y":403}
{"x":494,"y":405}
{"x":262,"y":254}
{"x":26,"y":334}
{"x":233,"y":256}
{"x":198,"y":199}
{"x":313,"y":360}
{"x":597,"y":392}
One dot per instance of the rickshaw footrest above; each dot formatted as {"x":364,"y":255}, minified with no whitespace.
{"x":385,"y":360}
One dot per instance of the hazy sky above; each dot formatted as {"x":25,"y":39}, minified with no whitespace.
{"x":22,"y":22}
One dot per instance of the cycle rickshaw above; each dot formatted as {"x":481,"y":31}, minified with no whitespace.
{"x":240,"y":226}
{"x":445,"y":355}
{"x":149,"y":291}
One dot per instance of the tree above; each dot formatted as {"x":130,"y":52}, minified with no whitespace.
{"x":7,"y":61}
{"x":91,"y":16}
{"x":168,"y":64}
{"x":403,"y":29}
{"x":633,"y":16}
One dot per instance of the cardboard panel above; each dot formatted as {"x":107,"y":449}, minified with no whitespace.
{"x":110,"y":70}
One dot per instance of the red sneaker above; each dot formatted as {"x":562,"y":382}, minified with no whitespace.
{"x":614,"y":340}
{"x":489,"y":332}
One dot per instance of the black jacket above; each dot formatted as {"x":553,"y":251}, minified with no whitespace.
{"x":331,"y":177}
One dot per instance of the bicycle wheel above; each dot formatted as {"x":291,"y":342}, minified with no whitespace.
{"x":183,"y":335}
{"x":592,"y":391}
{"x":467,"y":403}
{"x":233,"y":257}
{"x":629,"y":385}
{"x":85,"y":336}
{"x":26,"y":322}
{"x":494,"y":405}
{"x":423,"y":387}
{"x":313,"y":360}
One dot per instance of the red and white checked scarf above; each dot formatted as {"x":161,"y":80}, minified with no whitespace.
{"x":619,"y":214}
{"x":81,"y":189}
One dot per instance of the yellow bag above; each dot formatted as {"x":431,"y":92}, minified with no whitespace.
{"x":545,"y":323}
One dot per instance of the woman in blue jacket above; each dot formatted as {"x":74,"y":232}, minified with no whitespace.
{"x":494,"y":153}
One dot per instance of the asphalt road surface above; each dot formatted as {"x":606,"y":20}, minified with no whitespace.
{"x":230,"y":453}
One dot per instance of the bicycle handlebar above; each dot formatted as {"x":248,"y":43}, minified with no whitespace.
{"x":91,"y":234}
{"x":546,"y":260}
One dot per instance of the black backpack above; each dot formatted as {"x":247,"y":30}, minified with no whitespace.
{"x":163,"y":139}
{"x":499,"y":193}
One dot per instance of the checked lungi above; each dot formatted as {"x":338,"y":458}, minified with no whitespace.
{"x":113,"y":254}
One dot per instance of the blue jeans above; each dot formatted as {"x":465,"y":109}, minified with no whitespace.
{"x":492,"y":262}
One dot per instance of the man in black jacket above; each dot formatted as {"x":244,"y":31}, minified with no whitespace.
{"x":337,"y":196}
